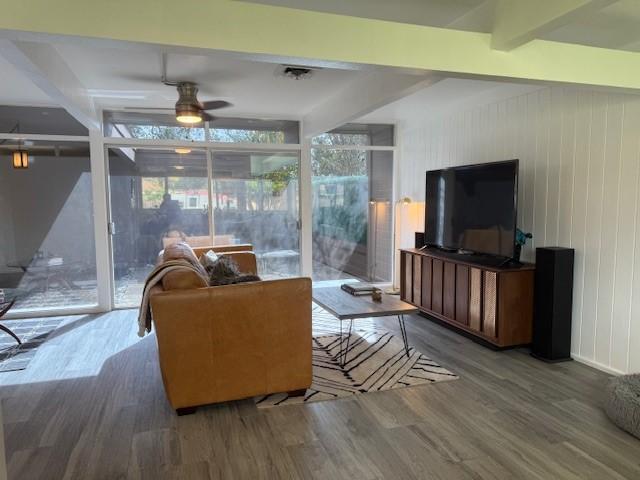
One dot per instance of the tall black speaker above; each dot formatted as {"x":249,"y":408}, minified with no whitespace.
{"x":553,"y":304}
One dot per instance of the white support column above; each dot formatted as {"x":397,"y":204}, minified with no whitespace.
{"x":306,"y":208}
{"x":100,"y":220}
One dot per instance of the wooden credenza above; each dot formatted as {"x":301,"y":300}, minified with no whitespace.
{"x":492,"y":303}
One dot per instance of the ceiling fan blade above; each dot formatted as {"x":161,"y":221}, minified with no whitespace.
{"x":207,"y":117}
{"x":215,"y":104}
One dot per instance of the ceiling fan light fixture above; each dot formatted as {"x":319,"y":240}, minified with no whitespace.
{"x":189,"y":119}
{"x":20,"y":159}
{"x":183,"y":150}
{"x":188,"y":116}
{"x":188,"y":110}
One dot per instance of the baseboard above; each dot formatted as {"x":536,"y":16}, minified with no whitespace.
{"x":597,"y":365}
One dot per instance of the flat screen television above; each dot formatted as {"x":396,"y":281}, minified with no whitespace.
{"x":473,"y":208}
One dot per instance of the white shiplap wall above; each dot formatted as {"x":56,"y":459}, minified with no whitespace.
{"x":579,"y":187}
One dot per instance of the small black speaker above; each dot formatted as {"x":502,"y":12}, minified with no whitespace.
{"x":553,"y":304}
{"x":419,"y":239}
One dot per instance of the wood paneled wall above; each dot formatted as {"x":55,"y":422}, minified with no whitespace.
{"x":579,"y":187}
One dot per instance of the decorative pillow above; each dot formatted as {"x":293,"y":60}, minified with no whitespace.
{"x":182,"y":251}
{"x":225,"y":271}
{"x":208,"y":259}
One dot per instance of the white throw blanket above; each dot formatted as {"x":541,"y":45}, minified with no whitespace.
{"x":155,"y":277}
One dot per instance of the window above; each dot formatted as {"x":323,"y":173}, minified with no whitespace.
{"x":352,"y":187}
{"x":223,"y":130}
{"x":357,"y":134}
{"x":149,"y":127}
{"x":47,"y":248}
{"x":254,"y":131}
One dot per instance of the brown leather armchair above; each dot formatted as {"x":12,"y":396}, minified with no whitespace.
{"x":234,"y":341}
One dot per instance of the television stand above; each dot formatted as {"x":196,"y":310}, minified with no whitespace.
{"x":467,"y":256}
{"x":511,"y":262}
{"x":474,"y":294}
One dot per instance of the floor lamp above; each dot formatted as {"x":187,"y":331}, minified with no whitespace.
{"x":400,"y":205}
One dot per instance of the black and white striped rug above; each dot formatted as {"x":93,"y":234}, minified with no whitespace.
{"x":376,"y":361}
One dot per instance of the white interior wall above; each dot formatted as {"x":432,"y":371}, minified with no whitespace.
{"x":55,"y":220}
{"x":579,"y":157}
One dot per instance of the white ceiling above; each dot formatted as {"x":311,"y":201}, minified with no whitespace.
{"x":130,"y":78}
{"x":616,"y":26}
{"x":444,"y":97}
{"x":120,"y":79}
{"x":123,"y":77}
{"x":15,"y":89}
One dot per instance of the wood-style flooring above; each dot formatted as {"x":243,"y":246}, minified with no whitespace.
{"x":91,"y":406}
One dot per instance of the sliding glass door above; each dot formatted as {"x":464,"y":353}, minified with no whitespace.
{"x":163,"y":196}
{"x":256,"y":201}
{"x":47,"y":247}
{"x":352,"y":185}
{"x":158,"y":197}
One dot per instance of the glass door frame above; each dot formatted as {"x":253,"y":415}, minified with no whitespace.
{"x":210,"y":148}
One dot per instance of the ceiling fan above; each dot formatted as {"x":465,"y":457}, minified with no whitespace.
{"x":189,"y":110}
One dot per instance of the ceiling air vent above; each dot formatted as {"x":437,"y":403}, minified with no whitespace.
{"x":297,"y":72}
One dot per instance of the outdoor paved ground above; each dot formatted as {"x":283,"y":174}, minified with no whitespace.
{"x":129,"y":289}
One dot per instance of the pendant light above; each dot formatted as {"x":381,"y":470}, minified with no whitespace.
{"x":20,"y":157}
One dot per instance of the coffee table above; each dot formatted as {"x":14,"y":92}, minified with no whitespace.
{"x":345,"y":306}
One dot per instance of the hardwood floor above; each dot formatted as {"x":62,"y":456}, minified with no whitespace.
{"x":91,"y":405}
